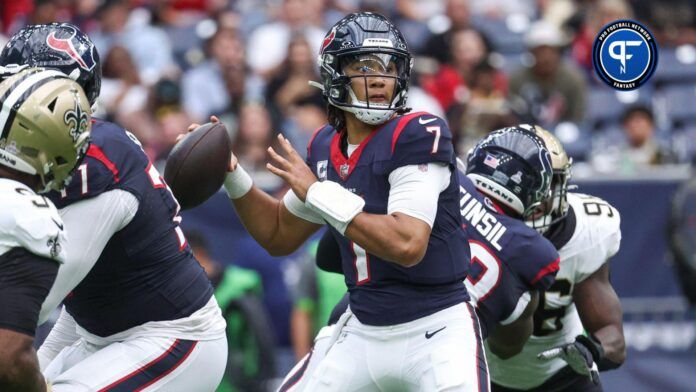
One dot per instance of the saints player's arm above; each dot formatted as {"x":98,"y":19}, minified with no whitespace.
{"x":506,"y":341}
{"x":26,"y":280}
{"x":600,"y":311}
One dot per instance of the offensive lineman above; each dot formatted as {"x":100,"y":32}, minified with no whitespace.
{"x":139,"y":310}
{"x":558,"y":355}
{"x":45,"y":123}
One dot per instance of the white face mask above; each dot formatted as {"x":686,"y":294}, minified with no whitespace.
{"x":371,"y":65}
{"x":373,"y":114}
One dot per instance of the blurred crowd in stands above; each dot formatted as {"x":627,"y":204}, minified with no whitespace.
{"x":482,"y":64}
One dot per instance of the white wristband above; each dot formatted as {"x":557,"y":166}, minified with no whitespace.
{"x":238,"y":183}
{"x":336,"y":204}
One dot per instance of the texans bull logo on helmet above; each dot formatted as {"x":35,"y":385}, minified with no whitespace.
{"x":328,"y":39}
{"x":82,"y":53}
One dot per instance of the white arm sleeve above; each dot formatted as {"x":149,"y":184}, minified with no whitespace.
{"x":89,"y":225}
{"x":298,"y":208}
{"x":415,"y":190}
{"x":63,"y":334}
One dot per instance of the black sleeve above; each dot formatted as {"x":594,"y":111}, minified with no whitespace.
{"x":329,"y":254}
{"x":25,"y":280}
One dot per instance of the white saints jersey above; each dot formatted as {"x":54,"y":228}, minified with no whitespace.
{"x":595,"y":238}
{"x":29,"y":221}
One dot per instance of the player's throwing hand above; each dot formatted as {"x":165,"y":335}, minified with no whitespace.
{"x":292,"y":169}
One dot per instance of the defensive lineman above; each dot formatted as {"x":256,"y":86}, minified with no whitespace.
{"x":559,"y":356}
{"x":45,"y":122}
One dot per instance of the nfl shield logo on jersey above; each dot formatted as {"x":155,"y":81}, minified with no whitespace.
{"x":321,"y":170}
{"x":345,"y":168}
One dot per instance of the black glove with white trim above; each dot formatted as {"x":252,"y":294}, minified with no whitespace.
{"x":582,"y":355}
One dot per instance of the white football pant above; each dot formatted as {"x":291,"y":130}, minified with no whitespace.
{"x":139,"y":364}
{"x":440,"y":352}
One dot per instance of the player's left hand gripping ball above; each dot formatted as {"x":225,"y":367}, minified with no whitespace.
{"x":292,"y":169}
{"x":582,"y":355}
{"x":198,"y":163}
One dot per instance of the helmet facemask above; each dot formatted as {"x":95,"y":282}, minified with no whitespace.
{"x":360,"y":71}
{"x":555,"y":207}
{"x":359,"y":50}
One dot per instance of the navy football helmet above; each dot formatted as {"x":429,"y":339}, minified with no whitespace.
{"x":512,"y":166}
{"x":380,"y":49}
{"x":59,"y":46}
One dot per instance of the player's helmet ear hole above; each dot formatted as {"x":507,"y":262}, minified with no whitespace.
{"x":61,"y":160}
{"x":52,"y":105}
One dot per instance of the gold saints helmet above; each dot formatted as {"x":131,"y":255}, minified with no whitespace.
{"x":45,"y":120}
{"x":556,"y":207}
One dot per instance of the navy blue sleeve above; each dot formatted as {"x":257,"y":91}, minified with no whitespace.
{"x":96,"y":175}
{"x":112,"y":156}
{"x":541,"y":262}
{"x":422,"y":139}
{"x":311,"y":143}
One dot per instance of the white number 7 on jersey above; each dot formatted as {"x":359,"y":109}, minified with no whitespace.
{"x":436,"y":130}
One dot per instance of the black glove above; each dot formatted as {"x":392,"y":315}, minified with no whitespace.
{"x":582,"y":355}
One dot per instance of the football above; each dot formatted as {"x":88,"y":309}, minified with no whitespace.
{"x":197,"y":165}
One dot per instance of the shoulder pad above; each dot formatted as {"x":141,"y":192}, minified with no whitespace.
{"x":113,"y":153}
{"x":597,"y":235}
{"x":30,"y":221}
{"x":421,"y":138}
{"x":323,"y":130}
{"x":537,"y":260}
{"x":96,"y":175}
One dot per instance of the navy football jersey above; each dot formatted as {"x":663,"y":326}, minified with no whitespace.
{"x":508,"y":259}
{"x":147,"y":271}
{"x":383,"y":292}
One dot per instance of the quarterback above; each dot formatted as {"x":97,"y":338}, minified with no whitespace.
{"x":510,"y":262}
{"x":385,"y":182}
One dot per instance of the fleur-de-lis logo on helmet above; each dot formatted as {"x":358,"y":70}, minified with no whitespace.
{"x":76,"y":119}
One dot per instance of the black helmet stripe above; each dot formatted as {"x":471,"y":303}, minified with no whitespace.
{"x":14,"y":97}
